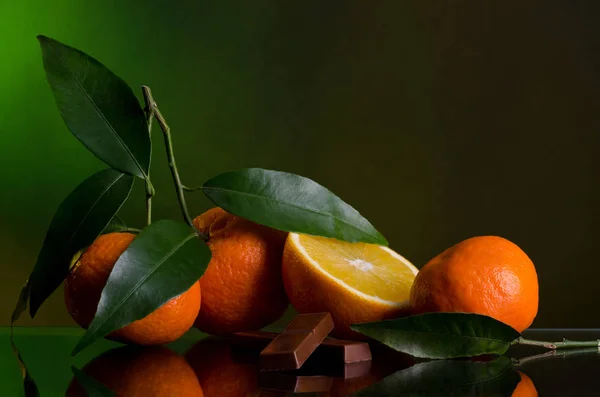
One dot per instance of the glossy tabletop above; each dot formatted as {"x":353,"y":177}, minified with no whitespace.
{"x":226,"y":370}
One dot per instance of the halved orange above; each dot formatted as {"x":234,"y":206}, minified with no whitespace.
{"x":355,"y":282}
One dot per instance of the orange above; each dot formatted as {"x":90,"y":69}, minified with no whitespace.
{"x":525,"y":388}
{"x":242,"y":289}
{"x":134,"y":371}
{"x":486,"y":275}
{"x":355,"y":282}
{"x":219,"y":373}
{"x":88,"y":277}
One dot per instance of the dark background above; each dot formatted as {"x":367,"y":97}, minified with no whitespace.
{"x":438,"y":120}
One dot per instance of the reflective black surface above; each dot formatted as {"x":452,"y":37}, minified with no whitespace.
{"x":197,"y":362}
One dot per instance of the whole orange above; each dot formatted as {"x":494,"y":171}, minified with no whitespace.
{"x":88,"y":277}
{"x":486,"y":275}
{"x":134,"y":371}
{"x":525,"y":388}
{"x":242,"y":288}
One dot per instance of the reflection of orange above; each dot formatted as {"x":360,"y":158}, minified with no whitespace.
{"x":485,"y":275}
{"x":88,"y":277}
{"x":525,"y":388}
{"x":134,"y":371}
{"x":242,"y":288}
{"x":218,"y":372}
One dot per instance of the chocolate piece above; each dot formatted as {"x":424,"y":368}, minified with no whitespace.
{"x":253,"y":340}
{"x":343,"y":351}
{"x":297,"y":342}
{"x":288,"y":382}
{"x":332,"y":351}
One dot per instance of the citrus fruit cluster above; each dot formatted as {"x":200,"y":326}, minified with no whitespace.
{"x":255,"y":271}
{"x":234,"y":270}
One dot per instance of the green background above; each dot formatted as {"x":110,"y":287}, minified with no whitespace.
{"x":437,"y":120}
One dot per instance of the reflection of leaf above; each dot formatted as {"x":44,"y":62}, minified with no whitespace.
{"x":446,"y":378}
{"x":289,"y":202}
{"x":92,"y":387}
{"x":162,"y":262}
{"x":29,"y":385}
{"x":31,"y":389}
{"x":80,"y":218}
{"x":442,"y":335}
{"x":98,"y":107}
{"x":564,"y":353}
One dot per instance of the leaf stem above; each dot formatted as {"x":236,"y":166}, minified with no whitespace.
{"x":149,"y":110}
{"x":179,"y":188}
{"x":565,"y":344}
{"x":132,"y":230}
{"x":149,"y":194}
{"x":191,"y":189}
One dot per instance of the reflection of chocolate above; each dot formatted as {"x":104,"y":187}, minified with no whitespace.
{"x":297,"y":342}
{"x":357,"y":370}
{"x":315,"y":366}
{"x":289,"y":382}
{"x":314,"y":378}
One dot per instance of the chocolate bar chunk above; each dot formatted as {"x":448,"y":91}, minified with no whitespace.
{"x":290,"y":349}
{"x":332,"y":351}
{"x":343,"y":351}
{"x":252,"y":340}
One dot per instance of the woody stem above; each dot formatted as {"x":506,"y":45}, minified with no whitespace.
{"x":565,"y":344}
{"x":171,"y":158}
{"x":149,"y":110}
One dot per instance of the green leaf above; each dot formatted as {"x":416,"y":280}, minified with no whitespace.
{"x":162,"y":262}
{"x":98,"y":107}
{"x":442,"y":335}
{"x":92,"y":387}
{"x":80,"y":218}
{"x":496,"y":378}
{"x":289,"y":202}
